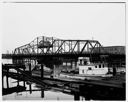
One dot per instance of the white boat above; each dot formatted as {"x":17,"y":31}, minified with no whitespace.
{"x":87,"y":68}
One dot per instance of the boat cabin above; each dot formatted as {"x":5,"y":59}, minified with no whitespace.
{"x":88,"y":68}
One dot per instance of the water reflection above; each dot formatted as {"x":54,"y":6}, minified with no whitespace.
{"x":33,"y":92}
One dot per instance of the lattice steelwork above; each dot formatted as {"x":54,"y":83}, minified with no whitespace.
{"x":50,"y":45}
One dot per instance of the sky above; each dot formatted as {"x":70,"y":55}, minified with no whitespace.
{"x":23,"y":22}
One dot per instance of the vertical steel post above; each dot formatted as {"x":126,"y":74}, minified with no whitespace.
{"x":24,"y":77}
{"x":43,"y":44}
{"x":88,"y":48}
{"x":52,"y":45}
{"x":37,"y":46}
{"x":18,"y":77}
{"x":61,"y":46}
{"x":58,"y":44}
{"x":30,"y":69}
{"x":78,"y":47}
{"x":42,"y":71}
{"x":64,"y":46}
{"x":2,"y":78}
{"x":30,"y":86}
{"x":69,"y":46}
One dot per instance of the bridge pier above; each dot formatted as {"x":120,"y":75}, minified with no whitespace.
{"x":76,"y":96}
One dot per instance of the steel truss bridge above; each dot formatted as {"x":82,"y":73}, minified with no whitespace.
{"x":54,"y":46}
{"x":48,"y":47}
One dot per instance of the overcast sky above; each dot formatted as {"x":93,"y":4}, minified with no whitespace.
{"x":22,"y":23}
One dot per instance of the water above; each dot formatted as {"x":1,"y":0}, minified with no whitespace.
{"x":35,"y":95}
{"x":31,"y":95}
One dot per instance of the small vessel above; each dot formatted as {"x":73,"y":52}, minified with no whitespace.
{"x":91,"y":69}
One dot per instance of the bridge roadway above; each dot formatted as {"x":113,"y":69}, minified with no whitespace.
{"x":9,"y":56}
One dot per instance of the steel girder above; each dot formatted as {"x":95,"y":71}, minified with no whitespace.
{"x":49,"y":45}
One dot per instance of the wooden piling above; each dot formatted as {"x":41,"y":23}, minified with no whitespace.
{"x":30,"y":88}
{"x":42,"y":93}
{"x":7,"y":78}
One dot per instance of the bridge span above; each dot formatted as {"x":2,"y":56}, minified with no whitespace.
{"x":47,"y":48}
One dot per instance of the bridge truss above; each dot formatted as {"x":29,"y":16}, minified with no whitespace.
{"x":53,"y":50}
{"x":49,"y":45}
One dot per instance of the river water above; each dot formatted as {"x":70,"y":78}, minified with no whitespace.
{"x":35,"y":94}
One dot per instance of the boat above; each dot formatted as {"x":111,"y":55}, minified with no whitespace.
{"x":87,"y":68}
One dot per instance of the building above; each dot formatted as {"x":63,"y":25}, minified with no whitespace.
{"x":111,"y":49}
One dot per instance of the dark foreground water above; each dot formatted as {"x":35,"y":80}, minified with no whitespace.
{"x":35,"y":94}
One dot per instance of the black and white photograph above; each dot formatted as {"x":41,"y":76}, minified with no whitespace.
{"x":63,"y":50}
